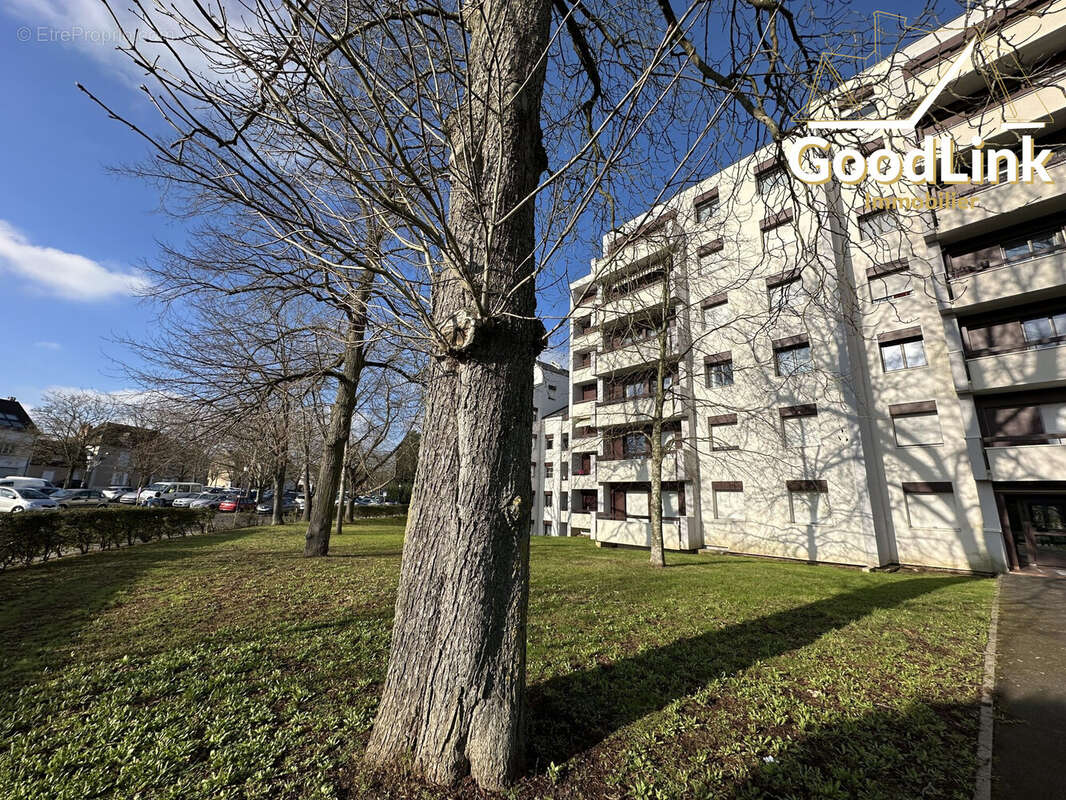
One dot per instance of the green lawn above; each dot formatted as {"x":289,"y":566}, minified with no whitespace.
{"x":229,"y":666}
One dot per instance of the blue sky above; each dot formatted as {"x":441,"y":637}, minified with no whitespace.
{"x":72,"y":233}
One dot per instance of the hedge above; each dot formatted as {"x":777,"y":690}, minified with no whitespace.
{"x":365,"y":512}
{"x":39,"y":535}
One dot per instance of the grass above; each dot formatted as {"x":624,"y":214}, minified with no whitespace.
{"x":228,"y":666}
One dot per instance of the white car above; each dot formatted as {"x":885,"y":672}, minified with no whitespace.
{"x":13,"y":500}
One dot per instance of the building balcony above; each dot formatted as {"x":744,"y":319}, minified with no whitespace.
{"x":637,"y":532}
{"x":587,"y":481}
{"x":677,"y":466}
{"x":582,"y":409}
{"x":581,"y":375}
{"x":1024,"y":280}
{"x":636,"y":410}
{"x":581,"y":519}
{"x":1030,"y":369}
{"x":997,"y":199}
{"x":637,"y":354}
{"x":1027,"y":462}
{"x":642,"y":250}
{"x":639,"y":300}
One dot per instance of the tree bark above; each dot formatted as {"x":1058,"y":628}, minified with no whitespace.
{"x":307,"y":491}
{"x":340,"y":500}
{"x":340,"y":426}
{"x":278,"y":517}
{"x":453,"y":703}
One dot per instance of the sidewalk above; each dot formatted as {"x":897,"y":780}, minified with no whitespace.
{"x":1029,"y":742}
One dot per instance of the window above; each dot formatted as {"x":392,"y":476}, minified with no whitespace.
{"x":773,"y":184}
{"x":673,"y":503}
{"x":705,"y":209}
{"x":719,"y":370}
{"x":875,"y":224}
{"x":547,"y":499}
{"x":635,"y":445}
{"x":799,"y":425}
{"x":587,"y":392}
{"x":728,"y":499}
{"x":583,"y":360}
{"x":786,"y":295}
{"x":564,"y":501}
{"x":903,"y":354}
{"x":930,"y":505}
{"x":716,"y":313}
{"x":583,"y":325}
{"x":806,"y":500}
{"x":916,"y":424}
{"x":793,"y":359}
{"x":549,"y":470}
{"x":723,"y":432}
{"x":584,"y":466}
{"x":566,"y":441}
{"x":888,"y":281}
{"x":1045,"y":330}
{"x":547,"y":528}
{"x":6,"y":448}
{"x":564,"y":471}
{"x":1036,"y":244}
{"x":549,"y":442}
{"x":587,"y":501}
{"x":983,"y":253}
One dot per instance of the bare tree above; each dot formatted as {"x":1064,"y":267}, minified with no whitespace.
{"x":69,"y":419}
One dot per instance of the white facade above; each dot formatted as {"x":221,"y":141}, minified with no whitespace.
{"x":551,"y":442}
{"x":846,"y":387}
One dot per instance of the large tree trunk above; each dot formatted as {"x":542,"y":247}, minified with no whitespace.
{"x":454,"y":697}
{"x":278,"y":517}
{"x":340,"y":427}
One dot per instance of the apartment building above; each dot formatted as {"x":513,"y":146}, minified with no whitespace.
{"x":850,"y":378}
{"x":17,"y":435}
{"x":551,"y":446}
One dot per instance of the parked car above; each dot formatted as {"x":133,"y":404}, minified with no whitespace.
{"x":288,"y":503}
{"x":113,"y":493}
{"x":79,"y":498}
{"x":208,"y":500}
{"x":162,"y":493}
{"x":24,"y":482}
{"x":242,"y":503}
{"x":15,"y":499}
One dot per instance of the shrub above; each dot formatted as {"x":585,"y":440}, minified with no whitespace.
{"x":38,"y":535}
{"x":365,"y":512}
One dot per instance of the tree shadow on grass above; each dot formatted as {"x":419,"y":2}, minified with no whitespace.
{"x":43,"y":607}
{"x":573,"y":712}
{"x":920,"y":751}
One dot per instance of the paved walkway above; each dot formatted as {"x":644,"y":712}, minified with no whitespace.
{"x":1029,"y":742}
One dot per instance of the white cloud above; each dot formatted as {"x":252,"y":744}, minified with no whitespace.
{"x":48,"y":345}
{"x":57,"y":272}
{"x":87,"y":26}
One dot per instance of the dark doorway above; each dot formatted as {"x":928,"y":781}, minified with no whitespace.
{"x":1037,"y":529}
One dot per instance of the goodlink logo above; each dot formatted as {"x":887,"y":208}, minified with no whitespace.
{"x":813,"y":159}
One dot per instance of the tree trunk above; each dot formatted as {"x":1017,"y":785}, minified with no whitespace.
{"x":453,"y":703}
{"x":340,"y":427}
{"x":278,"y":516}
{"x":307,"y":491}
{"x":340,"y":501}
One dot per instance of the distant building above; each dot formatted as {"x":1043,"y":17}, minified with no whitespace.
{"x":17,"y":435}
{"x":551,"y":450}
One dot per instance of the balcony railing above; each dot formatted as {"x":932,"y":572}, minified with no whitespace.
{"x":1050,"y":438}
{"x":1036,"y":344}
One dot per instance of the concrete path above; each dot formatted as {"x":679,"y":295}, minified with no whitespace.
{"x":1029,"y":743}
